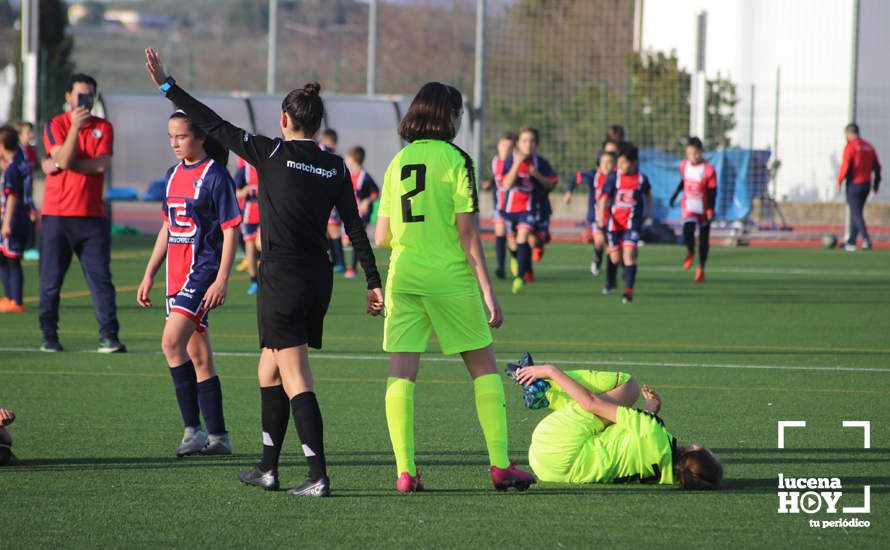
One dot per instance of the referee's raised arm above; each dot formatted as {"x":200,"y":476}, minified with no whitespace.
{"x":202,"y":116}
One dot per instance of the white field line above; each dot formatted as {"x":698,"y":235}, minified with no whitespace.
{"x":576,"y":362}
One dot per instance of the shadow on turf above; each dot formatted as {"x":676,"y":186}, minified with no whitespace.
{"x":234,"y":460}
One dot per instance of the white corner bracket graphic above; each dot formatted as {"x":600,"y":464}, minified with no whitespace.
{"x":788,"y":424}
{"x":866,"y":503}
{"x":866,"y":431}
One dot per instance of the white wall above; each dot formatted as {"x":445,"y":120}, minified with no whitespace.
{"x":873,"y":78}
{"x":809,"y":40}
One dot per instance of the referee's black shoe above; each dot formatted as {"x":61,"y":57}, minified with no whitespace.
{"x":318,"y":488}
{"x":258,"y":478}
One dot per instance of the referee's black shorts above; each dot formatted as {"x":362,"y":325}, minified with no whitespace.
{"x":292,"y":302}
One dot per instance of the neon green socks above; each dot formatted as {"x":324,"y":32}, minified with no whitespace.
{"x":491,"y":408}
{"x":400,"y":421}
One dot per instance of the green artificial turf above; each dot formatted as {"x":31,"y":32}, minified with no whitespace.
{"x":774,"y":334}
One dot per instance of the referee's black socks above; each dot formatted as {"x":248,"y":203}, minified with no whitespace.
{"x":275,"y":416}
{"x":307,"y":418}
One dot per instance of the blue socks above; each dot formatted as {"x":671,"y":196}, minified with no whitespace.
{"x":611,"y":273}
{"x":185,"y":383}
{"x":500,"y":247}
{"x":524,"y":258}
{"x":630,"y":275}
{"x":210,"y":401}
{"x":195,"y":399}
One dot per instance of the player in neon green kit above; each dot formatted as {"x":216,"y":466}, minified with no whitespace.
{"x":594,"y":436}
{"x":428,"y":216}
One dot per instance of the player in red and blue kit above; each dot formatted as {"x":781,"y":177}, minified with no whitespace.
{"x":328,"y":143}
{"x":198,"y":239}
{"x":505,"y":147}
{"x":366,"y":192}
{"x":698,"y":183}
{"x":527,"y":178}
{"x":627,"y":197}
{"x":14,"y":219}
{"x":248,"y":184}
{"x":594,"y":181}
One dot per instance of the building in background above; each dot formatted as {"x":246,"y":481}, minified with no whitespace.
{"x":825,"y":79}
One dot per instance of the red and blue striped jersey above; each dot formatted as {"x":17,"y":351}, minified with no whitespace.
{"x":247,"y":176}
{"x":364,"y":186}
{"x":594,"y":181}
{"x":523,"y":196}
{"x":497,"y":172}
{"x":626,"y":192}
{"x":198,"y":204}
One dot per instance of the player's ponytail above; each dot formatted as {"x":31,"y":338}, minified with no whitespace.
{"x":305,"y":108}
{"x":212,"y":147}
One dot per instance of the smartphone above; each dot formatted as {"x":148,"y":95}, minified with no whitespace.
{"x":85,"y":101}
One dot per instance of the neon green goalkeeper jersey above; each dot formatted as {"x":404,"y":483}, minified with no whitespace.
{"x":426,"y":185}
{"x":635,"y":448}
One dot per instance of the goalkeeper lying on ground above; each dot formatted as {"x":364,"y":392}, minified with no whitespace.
{"x":594,"y":436}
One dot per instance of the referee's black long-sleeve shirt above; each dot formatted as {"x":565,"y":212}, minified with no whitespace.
{"x":300,"y":185}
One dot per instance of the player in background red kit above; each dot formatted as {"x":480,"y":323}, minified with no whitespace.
{"x":366,"y":192}
{"x":594,"y":181}
{"x":247,"y":183}
{"x":505,"y":146}
{"x":527,"y":181}
{"x":627,"y":198}
{"x":698,"y":183}
{"x":859,"y":161}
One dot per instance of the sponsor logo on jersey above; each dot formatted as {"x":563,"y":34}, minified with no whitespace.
{"x":323,"y":172}
{"x":181,"y":226}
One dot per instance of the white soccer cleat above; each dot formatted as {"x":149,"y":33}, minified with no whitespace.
{"x":193,"y":442}
{"x":217,"y":445}
{"x":594,"y":269}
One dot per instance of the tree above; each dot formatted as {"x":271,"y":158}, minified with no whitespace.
{"x":55,"y":66}
{"x":249,"y":14}
{"x":660,"y":108}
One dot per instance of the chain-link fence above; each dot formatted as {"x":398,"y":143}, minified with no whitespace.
{"x":568,"y":67}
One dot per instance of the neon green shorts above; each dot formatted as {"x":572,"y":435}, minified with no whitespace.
{"x":561,"y":441}
{"x":459,"y":321}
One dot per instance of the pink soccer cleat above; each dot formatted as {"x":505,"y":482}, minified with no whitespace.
{"x":504,"y":478}
{"x":687,"y":261}
{"x":408,"y":483}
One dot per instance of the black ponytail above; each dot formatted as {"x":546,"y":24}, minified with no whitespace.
{"x":212,"y":147}
{"x":305,"y":108}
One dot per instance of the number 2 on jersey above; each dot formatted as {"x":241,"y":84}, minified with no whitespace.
{"x":419,"y":187}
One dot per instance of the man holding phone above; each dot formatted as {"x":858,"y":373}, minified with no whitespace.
{"x":73,"y":218}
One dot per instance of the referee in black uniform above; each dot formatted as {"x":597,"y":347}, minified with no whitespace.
{"x":301,"y":183}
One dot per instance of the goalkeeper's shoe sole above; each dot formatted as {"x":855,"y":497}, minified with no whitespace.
{"x":534,"y":394}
